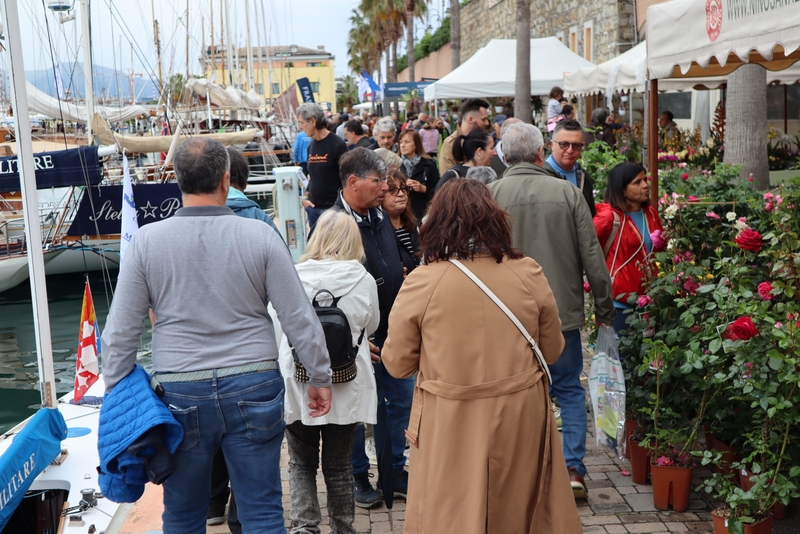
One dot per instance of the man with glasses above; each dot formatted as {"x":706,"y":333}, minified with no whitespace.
{"x":364,"y":185}
{"x":552,"y":225}
{"x":567,"y":144}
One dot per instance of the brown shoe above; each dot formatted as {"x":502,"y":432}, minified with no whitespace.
{"x":578,"y":485}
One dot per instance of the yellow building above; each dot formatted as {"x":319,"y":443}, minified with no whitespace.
{"x":275,"y":69}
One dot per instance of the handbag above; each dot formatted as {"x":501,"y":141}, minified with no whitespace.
{"x":510,"y":314}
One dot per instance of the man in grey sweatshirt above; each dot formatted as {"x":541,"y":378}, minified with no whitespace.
{"x":208,"y":276}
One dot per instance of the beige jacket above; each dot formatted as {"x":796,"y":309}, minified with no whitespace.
{"x":486,"y":455}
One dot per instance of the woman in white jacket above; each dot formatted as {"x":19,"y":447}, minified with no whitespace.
{"x":333,"y":262}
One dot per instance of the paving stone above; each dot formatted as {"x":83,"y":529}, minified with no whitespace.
{"x":680,"y":516}
{"x":699,"y":525}
{"x":624,"y":490}
{"x":676,"y":527}
{"x":607,"y":495}
{"x":619,"y":479}
{"x":644,"y":488}
{"x":605,"y":509}
{"x":640,"y":502}
{"x":594,"y":529}
{"x":645,"y":527}
{"x":593,"y":484}
{"x":600,"y":520}
{"x":597,"y":459}
{"x":639,"y":518}
{"x":596,"y":476}
{"x":616,"y":529}
{"x":603,"y":468}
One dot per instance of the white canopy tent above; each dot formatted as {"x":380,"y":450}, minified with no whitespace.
{"x":687,"y":38}
{"x":491,"y":71}
{"x":628,"y":72}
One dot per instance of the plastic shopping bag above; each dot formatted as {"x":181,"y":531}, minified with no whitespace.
{"x":607,"y":389}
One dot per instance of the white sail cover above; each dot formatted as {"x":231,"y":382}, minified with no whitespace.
{"x":228,"y":97}
{"x":41,"y":102}
{"x":720,"y":35}
{"x":491,"y":71}
{"x":628,"y":72}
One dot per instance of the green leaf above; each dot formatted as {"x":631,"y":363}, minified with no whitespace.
{"x":715,"y":345}
{"x":775,"y":364}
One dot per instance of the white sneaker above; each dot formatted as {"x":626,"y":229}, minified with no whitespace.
{"x":371,"y":454}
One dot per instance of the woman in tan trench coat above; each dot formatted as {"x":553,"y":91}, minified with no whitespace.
{"x":485,"y":455}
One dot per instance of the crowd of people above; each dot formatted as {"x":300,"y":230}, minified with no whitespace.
{"x":459,"y":260}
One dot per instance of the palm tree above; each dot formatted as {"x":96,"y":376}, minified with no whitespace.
{"x":413,"y":9}
{"x":522,"y":92}
{"x":746,"y":124}
{"x":347,"y":93}
{"x":362,"y":43}
{"x":455,"y":34}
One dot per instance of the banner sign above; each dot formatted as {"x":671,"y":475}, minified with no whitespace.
{"x":64,"y":168}
{"x":154,"y":202}
{"x":402,"y":88}
{"x":30,"y":453}
{"x":305,"y":89}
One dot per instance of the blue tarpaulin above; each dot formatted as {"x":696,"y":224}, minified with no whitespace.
{"x":63,"y":168}
{"x":36,"y":445}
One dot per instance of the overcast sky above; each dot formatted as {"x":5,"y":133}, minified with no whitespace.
{"x":122,"y":26}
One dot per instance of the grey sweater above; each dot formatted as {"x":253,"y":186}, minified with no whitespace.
{"x":208,"y":276}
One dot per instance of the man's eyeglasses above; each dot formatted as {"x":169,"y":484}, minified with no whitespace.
{"x":381,"y":180}
{"x":563,"y":145}
{"x":396,"y":190}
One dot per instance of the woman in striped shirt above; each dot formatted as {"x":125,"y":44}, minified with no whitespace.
{"x":397,"y":206}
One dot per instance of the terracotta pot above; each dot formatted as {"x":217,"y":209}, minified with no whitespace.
{"x":671,"y":485}
{"x":630,"y":429}
{"x":762,"y":527}
{"x":640,"y":462}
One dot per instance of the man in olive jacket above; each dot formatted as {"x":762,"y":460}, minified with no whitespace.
{"x":551,"y":223}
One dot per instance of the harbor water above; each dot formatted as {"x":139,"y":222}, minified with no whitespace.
{"x":19,"y":394}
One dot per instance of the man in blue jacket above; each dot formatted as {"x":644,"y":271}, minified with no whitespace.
{"x":364,"y":184}
{"x":237,"y":200}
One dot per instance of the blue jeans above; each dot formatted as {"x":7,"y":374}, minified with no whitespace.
{"x":397,"y":393}
{"x":243,"y":415}
{"x":571,"y":396}
{"x":313,"y":214}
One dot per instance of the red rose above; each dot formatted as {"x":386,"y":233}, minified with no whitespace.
{"x":749,"y":240}
{"x":684,"y":176}
{"x":741,"y":329}
{"x":765,"y":290}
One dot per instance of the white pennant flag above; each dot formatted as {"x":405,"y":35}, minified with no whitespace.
{"x":129,"y":223}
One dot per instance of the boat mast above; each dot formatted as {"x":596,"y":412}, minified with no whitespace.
{"x":269,"y":55}
{"x":228,"y":41}
{"x":249,"y":47}
{"x":158,"y":53}
{"x":33,"y":230}
{"x":87,"y":68}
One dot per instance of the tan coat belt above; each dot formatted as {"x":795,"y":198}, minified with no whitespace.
{"x":495,"y":388}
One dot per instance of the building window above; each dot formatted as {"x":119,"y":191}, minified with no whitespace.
{"x":276,"y":88}
{"x":680,"y":104}
{"x":573,"y":39}
{"x":259,"y":88}
{"x":313,"y":64}
{"x":315,"y":87}
{"x":560,"y":36}
{"x":587,"y":41}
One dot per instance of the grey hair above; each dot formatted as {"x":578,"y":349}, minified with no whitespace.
{"x":309,"y":111}
{"x":509,"y":122}
{"x":383,"y":125}
{"x":484,"y":175}
{"x":200,"y":164}
{"x":599,"y":116}
{"x":521,"y":143}
{"x":360,"y":162}
{"x":391,"y":159}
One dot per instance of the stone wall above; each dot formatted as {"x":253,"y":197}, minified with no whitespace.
{"x":434,"y":66}
{"x":611,"y":21}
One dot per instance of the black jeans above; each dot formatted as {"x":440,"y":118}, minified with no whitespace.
{"x":337,"y":442}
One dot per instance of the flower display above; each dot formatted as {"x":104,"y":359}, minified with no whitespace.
{"x":712,"y":215}
{"x":749,"y":240}
{"x":643,"y":301}
{"x":765,"y":290}
{"x":731,"y":216}
{"x":742,"y":329}
{"x":657,"y":237}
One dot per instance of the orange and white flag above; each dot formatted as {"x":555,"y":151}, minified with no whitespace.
{"x":87,"y":368}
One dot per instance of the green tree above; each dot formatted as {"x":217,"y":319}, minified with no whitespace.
{"x":347,"y":93}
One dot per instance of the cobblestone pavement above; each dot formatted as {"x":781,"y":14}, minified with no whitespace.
{"x":615,"y":504}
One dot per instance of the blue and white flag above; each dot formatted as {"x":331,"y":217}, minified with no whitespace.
{"x":129,"y":222}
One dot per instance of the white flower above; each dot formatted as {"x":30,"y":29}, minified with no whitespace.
{"x":740,"y":225}
{"x":671,"y":244}
{"x":731,"y":216}
{"x":670,"y":211}
{"x":710,"y":142}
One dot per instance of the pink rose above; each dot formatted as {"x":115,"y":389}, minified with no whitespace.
{"x":765,"y":290}
{"x":778,"y":324}
{"x":750,"y":178}
{"x":692,"y":198}
{"x":684,"y":176}
{"x":768,"y":206}
{"x":643,"y":301}
{"x":691,"y":286}
{"x":712,"y":215}
{"x":768,"y":196}
{"x":659,"y":243}
{"x":586,"y":287}
{"x":663,"y":461}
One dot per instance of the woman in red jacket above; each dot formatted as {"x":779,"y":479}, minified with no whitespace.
{"x":625,"y":223}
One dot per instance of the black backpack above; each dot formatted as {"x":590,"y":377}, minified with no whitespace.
{"x":338,"y":340}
